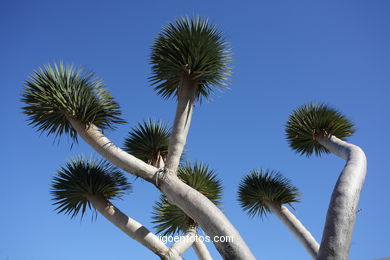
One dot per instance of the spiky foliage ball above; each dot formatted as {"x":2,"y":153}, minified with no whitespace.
{"x":190,"y":49}
{"x":203,"y":179}
{"x":310,"y":121}
{"x":168,"y":218}
{"x":148,"y":141}
{"x":260,"y":186}
{"x":56,"y":92}
{"x":80,"y":178}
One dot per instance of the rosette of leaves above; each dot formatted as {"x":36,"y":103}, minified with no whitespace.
{"x":55,"y":93}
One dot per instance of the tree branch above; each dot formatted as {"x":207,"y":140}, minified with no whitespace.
{"x":201,"y":250}
{"x":185,"y":104}
{"x":193,"y":203}
{"x":341,"y":215}
{"x":210,"y":218}
{"x":132,"y":228}
{"x":296,"y":227}
{"x":185,"y":242}
{"x":127,"y":162}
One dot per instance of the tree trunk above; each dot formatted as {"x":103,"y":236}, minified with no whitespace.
{"x":296,"y":227}
{"x":193,"y":203}
{"x":185,"y":105}
{"x":211,"y":219}
{"x":340,"y":219}
{"x":201,"y":250}
{"x":132,"y":228}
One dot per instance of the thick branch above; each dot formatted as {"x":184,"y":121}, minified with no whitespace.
{"x":132,"y":228}
{"x":185,"y":104}
{"x":211,"y":219}
{"x":296,"y":227}
{"x":127,"y":162}
{"x":340,"y":219}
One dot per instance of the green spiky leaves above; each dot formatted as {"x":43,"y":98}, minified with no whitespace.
{"x":203,"y":179}
{"x":54,"y":93}
{"x":81,"y":178}
{"x":190,"y":49}
{"x":310,"y":121}
{"x":169,"y":219}
{"x":260,"y":186}
{"x":149,"y":142}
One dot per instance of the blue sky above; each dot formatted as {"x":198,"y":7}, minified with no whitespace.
{"x":285,"y":53}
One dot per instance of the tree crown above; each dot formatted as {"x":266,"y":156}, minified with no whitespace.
{"x":260,"y":186}
{"x":54,"y":93}
{"x":310,"y":121}
{"x":80,"y":178}
{"x":148,"y":141}
{"x":189,"y":49}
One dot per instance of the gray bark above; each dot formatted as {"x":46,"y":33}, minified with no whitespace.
{"x":193,"y":203}
{"x":211,"y":219}
{"x":132,"y":228}
{"x":341,"y":215}
{"x":185,"y":105}
{"x":296,"y":227}
{"x":201,"y":250}
{"x":186,"y":242}
{"x":101,"y":144}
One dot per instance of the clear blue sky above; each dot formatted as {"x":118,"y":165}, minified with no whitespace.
{"x":286,"y":53}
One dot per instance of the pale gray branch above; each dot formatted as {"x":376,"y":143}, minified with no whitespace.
{"x":185,"y":105}
{"x":132,"y":228}
{"x":341,"y":215}
{"x":201,"y":250}
{"x":127,"y":162}
{"x":192,"y":202}
{"x":296,"y":227}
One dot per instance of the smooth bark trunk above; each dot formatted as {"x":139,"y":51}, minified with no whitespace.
{"x":193,"y":203}
{"x":132,"y":228}
{"x":201,"y":250}
{"x":296,"y":227}
{"x":341,"y":215}
{"x":185,"y":105}
{"x":211,"y":219}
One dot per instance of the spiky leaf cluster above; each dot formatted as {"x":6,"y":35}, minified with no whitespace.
{"x":203,"y":179}
{"x":190,"y":49}
{"x":148,"y":141}
{"x":80,"y":178}
{"x":310,"y":121}
{"x":260,"y":186}
{"x":168,"y":218}
{"x":54,"y":93}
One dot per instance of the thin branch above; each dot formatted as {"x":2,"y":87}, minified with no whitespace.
{"x":296,"y":227}
{"x":185,"y":242}
{"x":201,"y":250}
{"x":132,"y":228}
